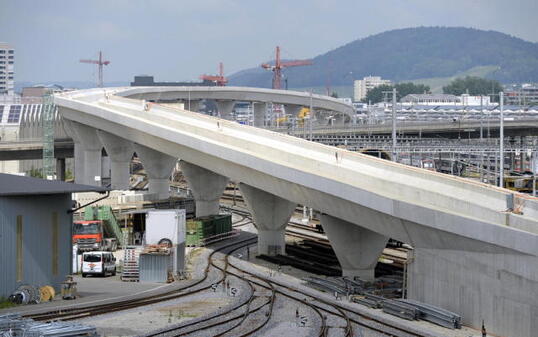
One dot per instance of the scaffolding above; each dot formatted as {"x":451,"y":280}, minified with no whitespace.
{"x":47,"y":122}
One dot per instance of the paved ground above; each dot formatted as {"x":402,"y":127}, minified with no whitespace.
{"x":94,"y":289}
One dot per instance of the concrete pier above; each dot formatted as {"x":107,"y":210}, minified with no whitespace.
{"x":356,"y":248}
{"x":206,"y":187}
{"x":158,"y":167}
{"x":271,"y":215}
{"x":259,"y":109}
{"x":225,"y":108}
{"x":120,"y":152}
{"x":501,"y":289}
{"x":192,"y":105}
{"x":78,"y":151}
{"x":92,"y":148}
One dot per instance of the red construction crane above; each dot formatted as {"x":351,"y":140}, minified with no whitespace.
{"x":100,"y":63}
{"x":277,"y":68}
{"x":219,"y":79}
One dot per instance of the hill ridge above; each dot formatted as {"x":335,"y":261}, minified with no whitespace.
{"x":413,"y":53}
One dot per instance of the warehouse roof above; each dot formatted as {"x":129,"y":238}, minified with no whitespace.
{"x":12,"y":185}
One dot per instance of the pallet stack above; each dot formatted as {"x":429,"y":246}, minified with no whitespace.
{"x":131,"y":268}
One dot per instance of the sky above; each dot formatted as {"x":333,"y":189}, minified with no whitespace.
{"x":176,"y":40}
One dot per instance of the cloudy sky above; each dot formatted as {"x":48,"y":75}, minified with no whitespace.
{"x":180,"y":39}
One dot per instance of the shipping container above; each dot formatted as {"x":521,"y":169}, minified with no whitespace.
{"x":203,"y":228}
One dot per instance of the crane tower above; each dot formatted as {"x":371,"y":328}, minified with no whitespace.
{"x":100,"y":63}
{"x":279,"y":65}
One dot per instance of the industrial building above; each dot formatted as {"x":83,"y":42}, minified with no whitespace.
{"x":35,"y":231}
{"x":526,"y":95}
{"x":7,"y":64}
{"x":148,"y":81}
{"x":23,"y":122}
{"x":445,"y":99}
{"x":361,"y":87}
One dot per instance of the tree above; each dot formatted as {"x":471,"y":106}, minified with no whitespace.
{"x":375,"y":95}
{"x":36,"y":173}
{"x":408,"y":88}
{"x":474,"y":86}
{"x":334,"y":94}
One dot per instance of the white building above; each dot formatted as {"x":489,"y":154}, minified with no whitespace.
{"x":361,"y":87}
{"x":7,"y":63}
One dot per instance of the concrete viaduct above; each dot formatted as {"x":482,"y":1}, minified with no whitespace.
{"x":476,"y":246}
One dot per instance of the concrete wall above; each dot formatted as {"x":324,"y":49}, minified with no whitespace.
{"x":9,"y":133}
{"x":501,"y":289}
{"x":41,"y":253}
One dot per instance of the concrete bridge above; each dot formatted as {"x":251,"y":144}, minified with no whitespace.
{"x":225,"y":98}
{"x":33,"y":149}
{"x":476,"y":246}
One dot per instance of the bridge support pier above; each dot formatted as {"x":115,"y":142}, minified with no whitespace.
{"x":60,"y":169}
{"x":259,"y":109}
{"x":120,"y":152}
{"x":356,"y":248}
{"x":225,"y":109}
{"x":79,"y":162}
{"x":271,"y":215}
{"x":87,"y":137}
{"x":192,"y":105}
{"x":78,"y":152}
{"x":158,"y":168}
{"x":206,"y":186}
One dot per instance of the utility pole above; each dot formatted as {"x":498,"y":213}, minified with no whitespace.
{"x":394,"y":124}
{"x":501,"y":140}
{"x":481,"y":118}
{"x":310,"y":115}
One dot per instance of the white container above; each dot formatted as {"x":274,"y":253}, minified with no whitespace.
{"x":165,"y":224}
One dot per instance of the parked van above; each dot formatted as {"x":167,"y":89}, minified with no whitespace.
{"x":98,"y":263}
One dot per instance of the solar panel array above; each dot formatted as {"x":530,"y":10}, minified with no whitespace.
{"x":14,"y":114}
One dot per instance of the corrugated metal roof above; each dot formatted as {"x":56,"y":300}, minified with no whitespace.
{"x":12,"y":185}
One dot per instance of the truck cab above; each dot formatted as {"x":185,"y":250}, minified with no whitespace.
{"x":98,"y":263}
{"x":89,"y":236}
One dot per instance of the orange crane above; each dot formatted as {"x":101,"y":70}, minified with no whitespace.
{"x":100,"y":63}
{"x":279,"y":65}
{"x":219,"y":79}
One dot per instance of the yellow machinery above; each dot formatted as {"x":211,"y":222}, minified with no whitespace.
{"x":303,"y":113}
{"x":521,"y":182}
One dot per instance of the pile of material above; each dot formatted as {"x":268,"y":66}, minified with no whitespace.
{"x":28,"y":294}
{"x":13,"y":325}
{"x":411,"y":310}
{"x":161,"y":249}
{"x":388,"y":287}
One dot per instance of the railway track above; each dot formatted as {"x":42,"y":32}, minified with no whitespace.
{"x":328,"y":307}
{"x":388,"y":253}
{"x":234,"y":321}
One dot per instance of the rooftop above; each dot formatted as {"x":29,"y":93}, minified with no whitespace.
{"x":434,"y":97}
{"x":14,"y":185}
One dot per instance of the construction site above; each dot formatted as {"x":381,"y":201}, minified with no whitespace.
{"x":201,"y":209}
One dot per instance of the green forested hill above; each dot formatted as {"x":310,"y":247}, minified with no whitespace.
{"x":410,"y":54}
